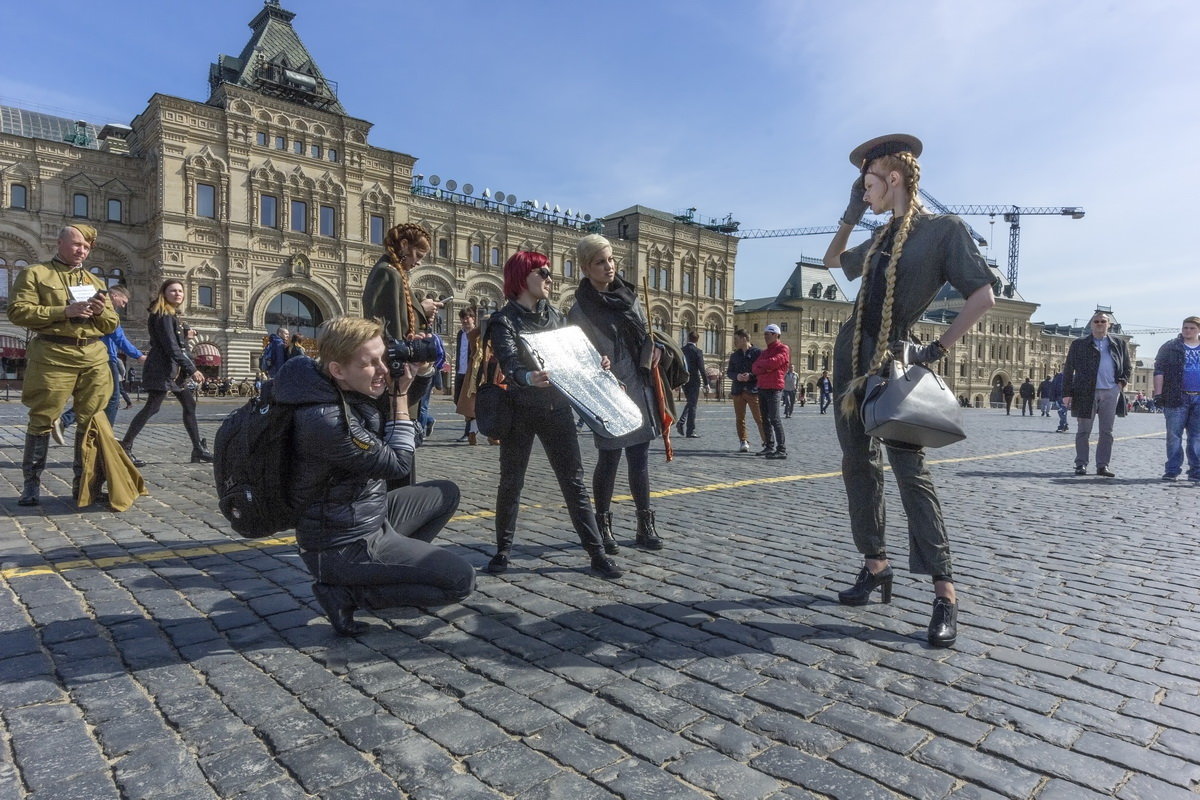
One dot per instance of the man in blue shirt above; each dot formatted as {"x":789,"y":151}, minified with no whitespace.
{"x":1177,"y":393}
{"x":117,"y":343}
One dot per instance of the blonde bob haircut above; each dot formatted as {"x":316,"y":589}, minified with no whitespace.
{"x":587,"y":248}
{"x":340,"y":337}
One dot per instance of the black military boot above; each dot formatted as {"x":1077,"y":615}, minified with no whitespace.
{"x":647,"y":537}
{"x":200,"y":454}
{"x":604,"y":523}
{"x":32,"y":466}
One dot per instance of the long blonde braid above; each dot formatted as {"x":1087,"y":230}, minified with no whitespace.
{"x":411,"y":232}
{"x":907,"y":166}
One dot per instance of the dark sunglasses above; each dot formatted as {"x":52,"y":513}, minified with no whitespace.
{"x":543,"y":272}
{"x":1099,"y":322}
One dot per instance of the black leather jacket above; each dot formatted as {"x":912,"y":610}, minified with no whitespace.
{"x":515,"y":359}
{"x":339,"y":472}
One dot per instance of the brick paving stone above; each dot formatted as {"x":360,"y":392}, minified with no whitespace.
{"x":726,"y":778}
{"x":324,"y":764}
{"x":642,"y":738}
{"x":511,"y":711}
{"x":240,"y":769}
{"x":569,"y":745}
{"x":791,"y":730}
{"x":822,"y":777}
{"x":1035,"y":754}
{"x":567,"y":786}
{"x":999,"y":775}
{"x":946,"y":724}
{"x":511,"y":768}
{"x":1122,"y":726}
{"x":632,"y":778}
{"x":1058,"y":789}
{"x":661,"y":709}
{"x":727,"y":738}
{"x":1145,"y":787}
{"x":1166,"y":767}
{"x":896,"y":772}
{"x":462,"y":732}
{"x":1041,"y":727}
{"x":93,"y":786}
{"x":706,"y":661}
{"x":143,"y":775}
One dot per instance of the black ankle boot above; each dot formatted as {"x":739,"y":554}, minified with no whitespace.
{"x":604,"y":565}
{"x":137,"y":462}
{"x":943,"y":625}
{"x":604,"y":523}
{"x":647,"y":536}
{"x":200,"y":454}
{"x":338,"y":604}
{"x":860,"y":593}
{"x":31,"y":468}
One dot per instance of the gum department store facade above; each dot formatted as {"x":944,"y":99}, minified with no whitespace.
{"x":270,"y":204}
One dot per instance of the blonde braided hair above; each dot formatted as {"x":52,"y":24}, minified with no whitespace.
{"x":910,"y":170}
{"x":413,"y":233}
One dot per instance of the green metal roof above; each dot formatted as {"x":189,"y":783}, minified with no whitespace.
{"x":20,"y":122}
{"x":275,"y":62}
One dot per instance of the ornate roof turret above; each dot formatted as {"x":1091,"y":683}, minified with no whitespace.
{"x":275,"y":62}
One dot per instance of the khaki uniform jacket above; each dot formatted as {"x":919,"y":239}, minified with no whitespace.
{"x":39,"y":300}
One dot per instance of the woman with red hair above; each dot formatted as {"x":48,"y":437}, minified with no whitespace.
{"x":539,"y":410}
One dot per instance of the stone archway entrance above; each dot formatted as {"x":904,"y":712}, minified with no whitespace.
{"x":295,"y":311}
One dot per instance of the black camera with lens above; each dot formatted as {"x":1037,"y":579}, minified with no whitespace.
{"x":407,"y":351}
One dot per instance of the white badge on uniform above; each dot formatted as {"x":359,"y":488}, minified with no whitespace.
{"x":82,"y":292}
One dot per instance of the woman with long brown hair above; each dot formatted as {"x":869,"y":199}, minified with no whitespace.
{"x":388,"y":295}
{"x":168,"y":369}
{"x":903,"y":266}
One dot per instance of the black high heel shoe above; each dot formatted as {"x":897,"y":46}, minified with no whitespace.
{"x":943,"y":625}
{"x":860,"y":593}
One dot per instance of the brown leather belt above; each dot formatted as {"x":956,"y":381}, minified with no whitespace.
{"x":46,"y":337}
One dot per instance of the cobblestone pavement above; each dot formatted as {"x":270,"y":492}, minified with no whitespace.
{"x":152,"y":654}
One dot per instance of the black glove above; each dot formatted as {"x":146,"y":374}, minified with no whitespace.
{"x":917,"y":354}
{"x":1158,"y":400}
{"x":857,"y":206}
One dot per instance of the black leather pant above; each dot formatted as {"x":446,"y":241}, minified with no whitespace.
{"x":556,"y":429}
{"x":604,"y":479}
{"x":398,"y":565}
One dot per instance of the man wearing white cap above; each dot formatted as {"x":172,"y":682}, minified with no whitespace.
{"x":771,"y":368}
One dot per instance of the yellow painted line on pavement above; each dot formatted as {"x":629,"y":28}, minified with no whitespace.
{"x":232,"y":546}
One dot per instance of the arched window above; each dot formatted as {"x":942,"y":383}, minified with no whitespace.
{"x":568,"y":268}
{"x":79,"y":205}
{"x":18,"y":196}
{"x":476,"y":254}
{"x":294,"y":311}
{"x":495,"y":256}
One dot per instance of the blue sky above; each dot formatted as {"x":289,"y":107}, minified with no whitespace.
{"x":747,"y":108}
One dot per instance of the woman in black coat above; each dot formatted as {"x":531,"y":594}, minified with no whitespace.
{"x":539,"y":411}
{"x":168,"y":367}
{"x":607,"y":309}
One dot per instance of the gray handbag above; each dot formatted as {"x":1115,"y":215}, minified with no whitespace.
{"x":910,"y":403}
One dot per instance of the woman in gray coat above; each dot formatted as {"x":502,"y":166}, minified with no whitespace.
{"x":607,"y":309}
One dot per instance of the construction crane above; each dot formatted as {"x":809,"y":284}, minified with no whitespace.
{"x":1012,"y":215}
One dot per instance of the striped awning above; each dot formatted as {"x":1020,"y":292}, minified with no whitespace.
{"x":206,"y":354}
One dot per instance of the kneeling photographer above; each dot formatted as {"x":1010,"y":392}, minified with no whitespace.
{"x":365,"y":546}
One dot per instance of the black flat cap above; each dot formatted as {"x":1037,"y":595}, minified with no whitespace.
{"x":885,"y":146}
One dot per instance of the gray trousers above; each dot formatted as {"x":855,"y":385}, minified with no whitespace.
{"x":862,"y":472}
{"x":1104,"y":406}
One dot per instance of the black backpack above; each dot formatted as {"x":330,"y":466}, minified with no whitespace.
{"x":251,"y":454}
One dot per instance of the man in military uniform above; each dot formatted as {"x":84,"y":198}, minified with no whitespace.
{"x":61,"y":303}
